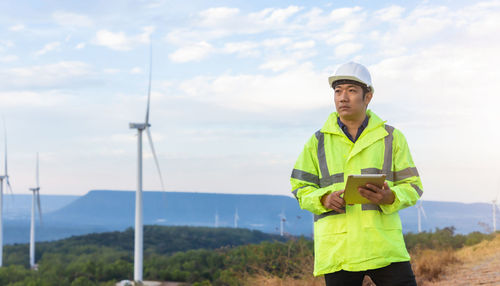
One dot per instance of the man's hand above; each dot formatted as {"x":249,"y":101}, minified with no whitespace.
{"x":334,"y":202}
{"x":379,"y":196}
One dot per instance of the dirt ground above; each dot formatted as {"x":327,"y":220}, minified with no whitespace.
{"x":479,"y":265}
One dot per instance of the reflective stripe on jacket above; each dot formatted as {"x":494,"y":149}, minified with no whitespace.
{"x":366,"y":236}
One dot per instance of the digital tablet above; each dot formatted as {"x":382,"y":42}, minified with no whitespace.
{"x":351,"y":193}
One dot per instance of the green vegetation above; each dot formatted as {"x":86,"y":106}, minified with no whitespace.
{"x":199,"y":256}
{"x":443,"y":239}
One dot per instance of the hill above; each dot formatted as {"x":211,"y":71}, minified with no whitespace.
{"x":189,"y":254}
{"x":158,"y":240}
{"x":18,"y":207}
{"x":174,"y":254}
{"x":106,"y":210}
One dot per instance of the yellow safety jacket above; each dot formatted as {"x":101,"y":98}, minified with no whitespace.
{"x":367,"y":236}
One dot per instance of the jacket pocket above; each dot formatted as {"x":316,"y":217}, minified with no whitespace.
{"x":330,"y":224}
{"x":379,"y":220}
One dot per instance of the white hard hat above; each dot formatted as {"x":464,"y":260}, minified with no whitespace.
{"x":352,"y":71}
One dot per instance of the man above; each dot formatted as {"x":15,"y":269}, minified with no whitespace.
{"x":351,"y":241}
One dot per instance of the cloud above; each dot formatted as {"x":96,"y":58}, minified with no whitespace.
{"x":136,"y":70}
{"x":50,"y":75}
{"x":271,"y":16}
{"x":16,"y":28}
{"x":297,"y":88}
{"x":111,"y":71}
{"x":8,"y":58}
{"x":343,"y":14}
{"x":302,"y":45}
{"x":389,"y":14}
{"x":243,"y":49}
{"x":221,"y":22}
{"x":193,"y":52}
{"x":347,"y":49}
{"x":73,"y":20}
{"x":217,"y":16}
{"x":48,"y":48}
{"x":80,"y":46}
{"x":27,"y":99}
{"x":278,"y":64}
{"x":5,"y":45}
{"x":285,"y":29}
{"x":120,"y":41}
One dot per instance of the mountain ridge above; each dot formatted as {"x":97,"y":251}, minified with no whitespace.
{"x":111,"y":210}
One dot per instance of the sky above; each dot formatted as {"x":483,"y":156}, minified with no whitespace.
{"x":238,"y":87}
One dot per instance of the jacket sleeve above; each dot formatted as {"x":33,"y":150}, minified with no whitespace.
{"x":406,"y":184}
{"x":305,"y":179}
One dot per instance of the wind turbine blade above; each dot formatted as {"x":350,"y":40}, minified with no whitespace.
{"x":150,"y":75}
{"x":9,"y":186}
{"x":150,"y":139}
{"x":39,"y":204}
{"x":422,"y":209}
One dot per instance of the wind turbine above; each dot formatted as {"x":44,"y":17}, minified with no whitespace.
{"x":36,"y":198}
{"x":282,"y":222}
{"x":420,"y":210}
{"x":138,"y":239}
{"x":236,"y":218}
{"x":216,"y":218}
{"x":2,"y":177}
{"x":494,"y":210}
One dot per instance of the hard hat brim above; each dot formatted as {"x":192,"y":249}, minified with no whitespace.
{"x":335,"y":78}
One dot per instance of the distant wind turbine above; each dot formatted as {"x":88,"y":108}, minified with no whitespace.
{"x":138,"y":245}
{"x":420,"y":210}
{"x":236,"y":218}
{"x":36,"y":198}
{"x":2,"y":177}
{"x":282,"y":222}
{"x":494,"y":210}
{"x":216,"y":218}
{"x":312,"y":215}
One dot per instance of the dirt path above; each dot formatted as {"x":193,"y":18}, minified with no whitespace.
{"x":479,"y":265}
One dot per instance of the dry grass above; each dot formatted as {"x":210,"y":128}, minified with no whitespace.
{"x":431,"y":267}
{"x":429,"y":264}
{"x":471,"y":265}
{"x":480,"y":251}
{"x":304,"y":281}
{"x":276,"y":281}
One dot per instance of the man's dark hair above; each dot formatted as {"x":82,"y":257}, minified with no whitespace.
{"x":349,"y":81}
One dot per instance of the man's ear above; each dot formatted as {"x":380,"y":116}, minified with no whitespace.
{"x":368,"y":97}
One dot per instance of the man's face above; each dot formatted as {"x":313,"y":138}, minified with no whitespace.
{"x":349,"y":101}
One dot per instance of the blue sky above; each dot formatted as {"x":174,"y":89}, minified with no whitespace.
{"x":239,"y":86}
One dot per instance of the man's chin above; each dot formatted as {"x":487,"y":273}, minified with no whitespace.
{"x":348,"y":115}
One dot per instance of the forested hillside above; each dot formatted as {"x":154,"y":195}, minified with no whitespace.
{"x":198,"y":256}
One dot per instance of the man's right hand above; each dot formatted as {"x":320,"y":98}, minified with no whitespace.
{"x":334,"y":202}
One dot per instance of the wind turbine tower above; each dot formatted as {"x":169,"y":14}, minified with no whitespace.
{"x":2,"y":177}
{"x":494,"y":210}
{"x":236,"y":218}
{"x":420,"y":210}
{"x":36,"y":198}
{"x":216,"y":219}
{"x":494,"y":206}
{"x":138,"y":238}
{"x":282,"y":222}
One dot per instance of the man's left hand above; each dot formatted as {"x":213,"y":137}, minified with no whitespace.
{"x":379,"y":196}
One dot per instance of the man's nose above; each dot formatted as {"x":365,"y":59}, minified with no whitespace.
{"x":343,"y":95}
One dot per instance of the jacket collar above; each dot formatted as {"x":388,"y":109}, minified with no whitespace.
{"x":332,"y":127}
{"x":372,"y":132}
